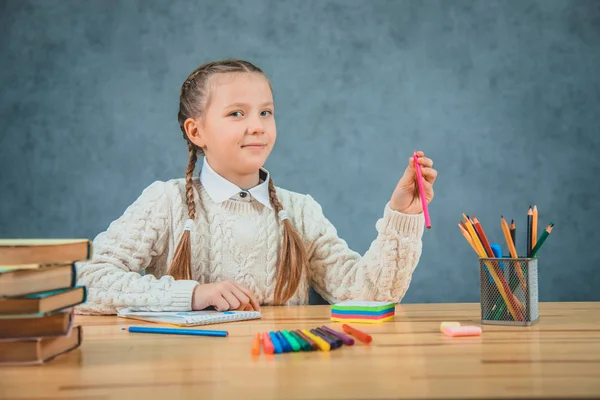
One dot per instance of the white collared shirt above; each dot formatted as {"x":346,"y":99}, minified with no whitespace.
{"x":220,"y":189}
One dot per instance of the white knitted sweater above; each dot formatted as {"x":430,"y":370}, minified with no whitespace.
{"x":239,"y":240}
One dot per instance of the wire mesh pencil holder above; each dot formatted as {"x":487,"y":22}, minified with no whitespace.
{"x":509,"y":291}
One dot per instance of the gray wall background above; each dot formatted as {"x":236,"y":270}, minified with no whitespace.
{"x":503,"y":95}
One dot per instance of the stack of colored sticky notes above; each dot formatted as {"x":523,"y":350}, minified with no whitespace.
{"x":368,"y":312}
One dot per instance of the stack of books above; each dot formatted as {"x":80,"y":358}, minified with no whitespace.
{"x":37,"y":294}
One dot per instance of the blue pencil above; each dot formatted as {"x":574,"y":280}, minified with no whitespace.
{"x":175,"y":331}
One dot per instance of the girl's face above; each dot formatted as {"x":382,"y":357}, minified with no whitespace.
{"x":237,"y":130}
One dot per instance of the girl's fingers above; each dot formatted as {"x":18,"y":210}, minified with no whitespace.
{"x":220,"y":303}
{"x":253,"y":300}
{"x":428,"y":187}
{"x":429,"y":174}
{"x":426,"y":162}
{"x":241,"y":296}
{"x":234,"y":303}
{"x":423,"y":161}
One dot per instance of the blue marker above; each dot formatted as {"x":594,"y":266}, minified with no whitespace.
{"x":287,"y":347}
{"x":276,"y":343}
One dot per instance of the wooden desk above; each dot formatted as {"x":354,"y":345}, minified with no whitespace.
{"x":408,"y":358}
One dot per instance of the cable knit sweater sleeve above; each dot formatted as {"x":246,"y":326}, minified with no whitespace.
{"x":383,"y":273}
{"x":113,"y":276}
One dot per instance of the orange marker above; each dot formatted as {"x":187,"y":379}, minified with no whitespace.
{"x":358,"y":334}
{"x":269,"y":349}
{"x":256,"y":345}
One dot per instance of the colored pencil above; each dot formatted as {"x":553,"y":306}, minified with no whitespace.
{"x":422,"y":191}
{"x":543,"y":238}
{"x":482,"y":237}
{"x":467,"y":236}
{"x":513,"y":252}
{"x":513,"y":231}
{"x":534,"y":228}
{"x":176,"y":331}
{"x":529,"y":227}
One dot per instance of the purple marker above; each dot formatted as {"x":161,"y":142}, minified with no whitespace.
{"x":325,"y":337}
{"x":346,"y":339}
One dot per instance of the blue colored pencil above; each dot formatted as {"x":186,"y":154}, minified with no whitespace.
{"x":175,"y":331}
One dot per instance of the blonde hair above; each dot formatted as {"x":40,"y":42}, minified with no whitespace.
{"x":192,"y":101}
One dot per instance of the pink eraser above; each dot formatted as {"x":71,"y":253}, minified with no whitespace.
{"x":462,"y":331}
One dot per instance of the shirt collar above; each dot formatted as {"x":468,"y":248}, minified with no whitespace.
{"x":220,"y":189}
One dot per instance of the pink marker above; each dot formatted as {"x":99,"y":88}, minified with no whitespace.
{"x":454,"y":331}
{"x":422,"y":191}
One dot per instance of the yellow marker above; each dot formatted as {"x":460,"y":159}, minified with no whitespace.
{"x":323,"y":345}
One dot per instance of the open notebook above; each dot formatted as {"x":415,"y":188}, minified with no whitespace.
{"x":189,"y":318}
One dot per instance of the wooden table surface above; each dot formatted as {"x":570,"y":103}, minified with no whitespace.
{"x":408,"y":358}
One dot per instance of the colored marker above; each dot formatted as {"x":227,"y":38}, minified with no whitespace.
{"x":285,"y":345}
{"x":348,"y":341}
{"x":293,"y":342}
{"x":175,"y":331}
{"x":331,"y":343}
{"x":256,"y":345}
{"x":308,"y":340}
{"x":267,"y":344}
{"x":356,"y":333}
{"x":276,"y":343}
{"x":333,"y":340}
{"x":303,"y":343}
{"x":323,"y":345}
{"x":422,"y":190}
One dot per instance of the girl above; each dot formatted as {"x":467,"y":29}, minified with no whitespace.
{"x":230,"y":238}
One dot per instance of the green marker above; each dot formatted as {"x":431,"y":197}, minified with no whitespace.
{"x":293,"y":342}
{"x":303,"y":343}
{"x":542,"y":240}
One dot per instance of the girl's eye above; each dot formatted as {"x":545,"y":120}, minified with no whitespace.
{"x":266,"y":111}
{"x":236,"y":114}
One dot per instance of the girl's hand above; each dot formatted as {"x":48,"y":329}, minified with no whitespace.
{"x":405,"y":198}
{"x":226,"y":295}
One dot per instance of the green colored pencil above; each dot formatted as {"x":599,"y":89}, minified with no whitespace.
{"x":540,"y":242}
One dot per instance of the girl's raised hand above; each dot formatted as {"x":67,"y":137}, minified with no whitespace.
{"x":405,"y":198}
{"x":224,"y":296}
